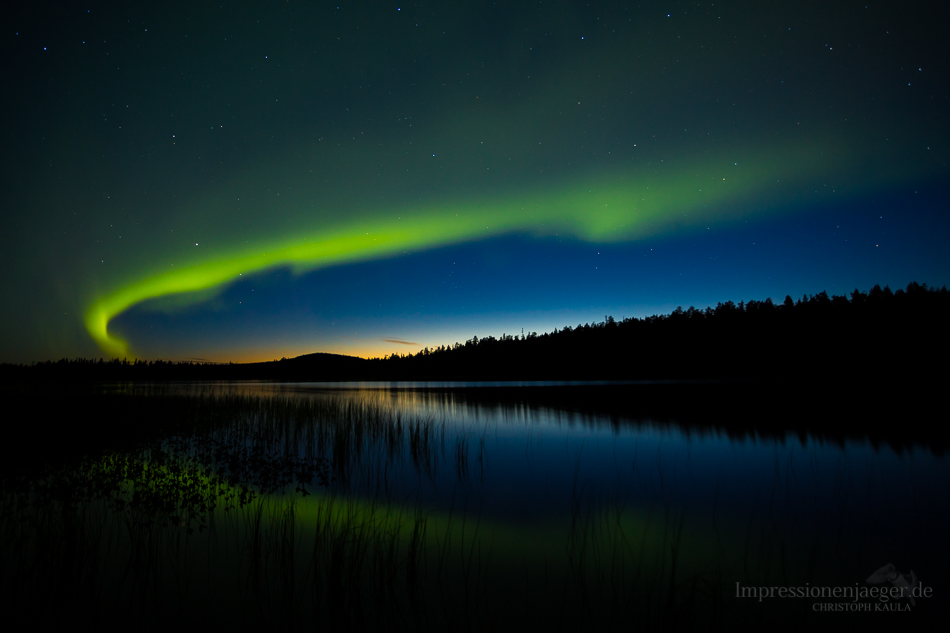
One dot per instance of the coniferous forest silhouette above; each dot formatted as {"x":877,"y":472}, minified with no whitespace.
{"x":871,"y":362}
{"x":879,"y":334}
{"x":620,"y":474}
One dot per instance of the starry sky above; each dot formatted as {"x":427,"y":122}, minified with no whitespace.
{"x":245,"y":181}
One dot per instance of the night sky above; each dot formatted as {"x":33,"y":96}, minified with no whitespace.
{"x":246,"y":181}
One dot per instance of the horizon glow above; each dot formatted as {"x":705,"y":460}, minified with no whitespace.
{"x":615,"y":207}
{"x":251,"y":182}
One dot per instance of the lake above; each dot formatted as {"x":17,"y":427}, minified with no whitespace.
{"x":475,"y":506}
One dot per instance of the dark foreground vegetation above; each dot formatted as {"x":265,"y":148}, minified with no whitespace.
{"x":149,"y":508}
{"x":879,"y":335}
{"x":129,"y":503}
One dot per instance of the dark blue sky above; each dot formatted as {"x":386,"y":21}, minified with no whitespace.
{"x":369,"y":178}
{"x":500,"y":285}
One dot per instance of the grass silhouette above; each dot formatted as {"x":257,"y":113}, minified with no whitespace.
{"x":279,"y":512}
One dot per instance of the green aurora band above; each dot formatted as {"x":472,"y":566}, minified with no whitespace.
{"x":609,"y":208}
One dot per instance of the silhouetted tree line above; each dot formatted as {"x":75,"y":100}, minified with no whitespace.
{"x":314,"y":366}
{"x":877,"y":334}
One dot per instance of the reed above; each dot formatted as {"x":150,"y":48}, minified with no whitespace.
{"x":263,"y":512}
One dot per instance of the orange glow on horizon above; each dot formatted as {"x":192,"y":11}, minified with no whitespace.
{"x":254,"y":355}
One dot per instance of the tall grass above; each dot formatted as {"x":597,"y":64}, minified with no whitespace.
{"x":289,"y":513}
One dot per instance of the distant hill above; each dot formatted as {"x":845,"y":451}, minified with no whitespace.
{"x":309,"y":367}
{"x":876,"y":335}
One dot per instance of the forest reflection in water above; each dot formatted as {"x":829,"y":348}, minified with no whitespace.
{"x":460,"y":507}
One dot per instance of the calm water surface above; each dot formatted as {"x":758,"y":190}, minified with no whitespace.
{"x":528,"y":464}
{"x":478,"y":506}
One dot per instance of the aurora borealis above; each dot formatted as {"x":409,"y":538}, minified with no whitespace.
{"x":427,"y":172}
